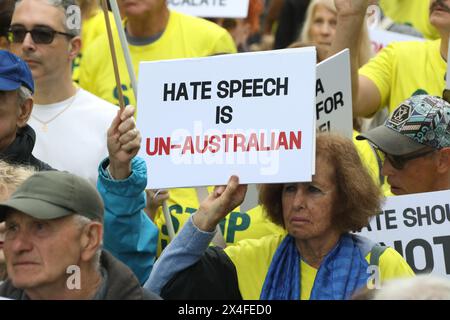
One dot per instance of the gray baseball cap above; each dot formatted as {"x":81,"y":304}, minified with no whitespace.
{"x":55,"y":194}
{"x":416,"y":123}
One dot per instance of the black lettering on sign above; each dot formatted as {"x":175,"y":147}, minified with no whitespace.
{"x":390,"y":218}
{"x":319,"y":87}
{"x":248,"y":88}
{"x":224,"y":114}
{"x":428,"y":252}
{"x":329,"y":104}
{"x":409,"y":217}
{"x":197,"y":3}
{"x":194,"y":90}
{"x":445,"y":241}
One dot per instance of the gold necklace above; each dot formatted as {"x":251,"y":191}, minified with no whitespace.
{"x":45,"y":123}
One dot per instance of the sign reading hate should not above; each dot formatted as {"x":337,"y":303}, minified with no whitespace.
{"x":418,"y":227}
{"x":333,"y":95}
{"x":211,"y":8}
{"x":251,"y":114}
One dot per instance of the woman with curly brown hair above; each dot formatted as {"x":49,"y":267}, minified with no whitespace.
{"x":317,"y":258}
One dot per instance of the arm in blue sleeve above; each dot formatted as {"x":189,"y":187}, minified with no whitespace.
{"x":183,"y":251}
{"x":129,"y":234}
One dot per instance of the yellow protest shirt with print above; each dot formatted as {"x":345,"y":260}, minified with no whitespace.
{"x":184,"y":37}
{"x":236,"y":226}
{"x":404,"y":69}
{"x":252,"y":259}
{"x":91,"y":29}
{"x":414,"y":13}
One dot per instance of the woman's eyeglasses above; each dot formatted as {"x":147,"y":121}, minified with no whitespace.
{"x":399,"y":162}
{"x":40,"y":35}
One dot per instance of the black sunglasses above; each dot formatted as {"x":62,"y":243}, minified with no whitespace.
{"x":399,"y":162}
{"x":40,"y":34}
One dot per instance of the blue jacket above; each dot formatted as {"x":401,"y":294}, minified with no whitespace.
{"x":129,"y":234}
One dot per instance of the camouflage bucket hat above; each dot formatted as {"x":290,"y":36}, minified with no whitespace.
{"x":417,"y":122}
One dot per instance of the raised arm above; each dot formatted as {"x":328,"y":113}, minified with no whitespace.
{"x":129,"y":234}
{"x":350,"y":18}
{"x":190,"y":244}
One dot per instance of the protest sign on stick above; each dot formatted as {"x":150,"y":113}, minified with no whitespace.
{"x":132,"y":76}
{"x":230,"y":116}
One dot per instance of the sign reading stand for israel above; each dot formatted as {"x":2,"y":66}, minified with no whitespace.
{"x":203,"y":120}
{"x":334,"y":95}
{"x":211,"y":8}
{"x":418,"y":227}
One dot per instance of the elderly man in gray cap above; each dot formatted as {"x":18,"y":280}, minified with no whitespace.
{"x":414,"y":143}
{"x":54,"y":232}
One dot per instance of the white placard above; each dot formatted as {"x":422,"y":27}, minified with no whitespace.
{"x":334,"y":95}
{"x":381,"y":38}
{"x":417,"y":226}
{"x":211,"y":8}
{"x":250,"y":114}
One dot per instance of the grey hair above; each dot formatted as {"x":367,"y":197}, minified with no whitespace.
{"x":421,"y":287}
{"x":23,"y":94}
{"x":82,"y":221}
{"x":73,"y":29}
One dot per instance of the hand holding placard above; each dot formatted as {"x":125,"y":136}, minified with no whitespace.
{"x":124,"y":140}
{"x":223,"y":200}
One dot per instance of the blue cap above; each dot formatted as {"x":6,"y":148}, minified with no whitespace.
{"x":14,"y":73}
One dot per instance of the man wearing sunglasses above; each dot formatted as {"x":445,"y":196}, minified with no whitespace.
{"x":70,"y":123}
{"x":414,"y":144}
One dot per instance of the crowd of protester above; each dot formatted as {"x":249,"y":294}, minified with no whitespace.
{"x":73,"y":190}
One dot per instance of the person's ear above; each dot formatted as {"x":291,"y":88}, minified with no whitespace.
{"x":74,"y":47}
{"x":91,"y":240}
{"x":443,"y":162}
{"x":24,"y":113}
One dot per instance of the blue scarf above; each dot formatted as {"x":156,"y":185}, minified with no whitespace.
{"x":341,"y":273}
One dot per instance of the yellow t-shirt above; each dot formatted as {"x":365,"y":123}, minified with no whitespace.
{"x":91,"y":29}
{"x":404,"y":69}
{"x":368,"y":157}
{"x":184,"y":37}
{"x":236,"y":226}
{"x":414,"y":13}
{"x":252,"y":260}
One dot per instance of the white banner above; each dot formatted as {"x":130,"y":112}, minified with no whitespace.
{"x":334,"y":95}
{"x":250,"y":114}
{"x":418,"y":227}
{"x":211,"y":8}
{"x":381,"y":38}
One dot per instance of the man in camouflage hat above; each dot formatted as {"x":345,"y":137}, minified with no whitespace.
{"x":415,"y":145}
